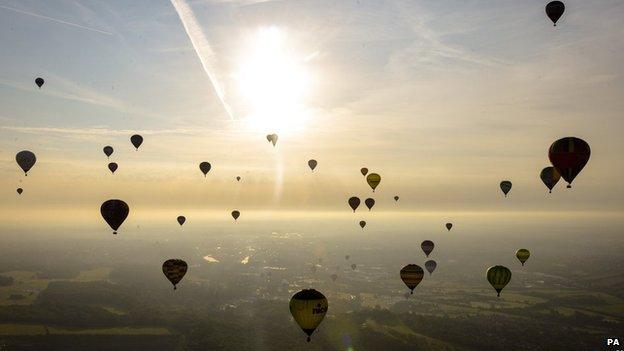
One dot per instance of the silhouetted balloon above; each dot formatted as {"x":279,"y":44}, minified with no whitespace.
{"x":181,"y":220}
{"x":370,"y":202}
{"x":505,"y":186}
{"x":39,"y":81}
{"x":108,"y":150}
{"x":554,"y":10}
{"x":353,"y":266}
{"x":334,"y":277}
{"x":347,"y":257}
{"x":412,"y":275}
{"x":20,"y":190}
{"x":114,"y":213}
{"x":449,"y":226}
{"x":362,"y":224}
{"x":312,"y":164}
{"x":112,"y":167}
{"x":523,"y":255}
{"x":499,"y":277}
{"x":235,"y":214}
{"x":204,"y":167}
{"x":430,"y":266}
{"x":174,"y":269}
{"x":550,"y":177}
{"x":427,"y":246}
{"x":569,"y":156}
{"x":136,"y":140}
{"x":373,"y":180}
{"x":364,"y":171}
{"x":308,"y":307}
{"x":396,"y":198}
{"x":238,"y":178}
{"x":354,"y":202}
{"x":272,"y":138}
{"x":25,"y":159}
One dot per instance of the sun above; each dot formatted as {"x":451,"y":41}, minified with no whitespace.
{"x":273,"y":83}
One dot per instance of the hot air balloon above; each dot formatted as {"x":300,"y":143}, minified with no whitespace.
{"x":25,"y":159}
{"x":364,"y":171}
{"x":238,"y":178}
{"x":354,"y":202}
{"x":136,"y":140}
{"x":347,"y":257}
{"x":449,"y":226}
{"x":20,"y":190}
{"x":362,"y":224}
{"x":550,"y":177}
{"x":412,"y":275}
{"x":569,"y":156}
{"x":312,"y":164}
{"x":505,"y":186}
{"x":427,"y":246}
{"x":39,"y":81}
{"x":554,"y":10}
{"x":114,"y":213}
{"x":108,"y":150}
{"x":204,"y":167}
{"x":498,"y":276}
{"x":174,"y":269}
{"x":334,"y":277}
{"x":235,"y":214}
{"x":308,"y":307}
{"x":430,"y":266}
{"x":370,"y":202}
{"x":272,"y":138}
{"x":112,"y":167}
{"x":181,"y":220}
{"x":523,"y":255}
{"x":396,"y":198}
{"x":353,"y":266}
{"x":373,"y":180}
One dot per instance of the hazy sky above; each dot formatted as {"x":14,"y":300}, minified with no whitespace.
{"x":443,"y":98}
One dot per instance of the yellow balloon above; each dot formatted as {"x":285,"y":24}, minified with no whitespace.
{"x":373,"y":179}
{"x":308,"y":307}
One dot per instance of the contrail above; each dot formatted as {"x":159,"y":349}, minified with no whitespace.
{"x":202,"y":47}
{"x":56,"y":20}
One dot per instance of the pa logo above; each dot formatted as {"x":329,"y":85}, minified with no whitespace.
{"x":613,"y":342}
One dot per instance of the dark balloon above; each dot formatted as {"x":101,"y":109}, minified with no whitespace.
{"x":347,"y":257}
{"x":396,"y":198}
{"x":505,"y":186}
{"x":308,"y":307}
{"x":353,"y":266}
{"x":235,"y":214}
{"x":205,"y":167}
{"x":20,"y":191}
{"x":364,"y":171}
{"x":25,"y":159}
{"x":136,"y":140}
{"x":569,"y":156}
{"x":523,"y":255}
{"x":427,"y":246}
{"x":554,"y":10}
{"x":114,"y":213}
{"x":430,"y":266}
{"x":412,"y":275}
{"x":550,"y":177}
{"x":449,"y":226}
{"x":108,"y":150}
{"x":112,"y":167}
{"x":362,"y":224}
{"x":238,"y":178}
{"x":181,"y":220}
{"x":39,"y":81}
{"x":312,"y":164}
{"x":174,"y":269}
{"x":499,"y":277}
{"x":354,"y":202}
{"x":370,"y":202}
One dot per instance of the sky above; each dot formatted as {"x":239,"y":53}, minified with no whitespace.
{"x":444,"y":99}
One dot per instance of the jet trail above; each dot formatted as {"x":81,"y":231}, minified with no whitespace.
{"x":202,"y":48}
{"x":55,"y":20}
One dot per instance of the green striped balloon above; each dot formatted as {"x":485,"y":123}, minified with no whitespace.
{"x":499,"y":277}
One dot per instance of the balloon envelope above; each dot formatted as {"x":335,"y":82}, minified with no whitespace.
{"x":174,"y":269}
{"x":108,"y":150}
{"x":238,"y":179}
{"x":312,"y":164}
{"x":523,"y":255}
{"x":205,"y":167}
{"x":449,"y":226}
{"x":26,"y":160}
{"x":427,"y":246}
{"x":412,"y":275}
{"x":364,"y":171}
{"x":550,"y":177}
{"x":370,"y":202}
{"x":362,"y":224}
{"x":136,"y":140}
{"x":347,"y":257}
{"x":396,"y":198}
{"x":20,"y":191}
{"x":235,"y":214}
{"x":354,"y":202}
{"x":114,"y":213}
{"x":353,"y":266}
{"x":569,"y":156}
{"x":499,"y":277}
{"x":308,"y":307}
{"x":112,"y":167}
{"x":181,"y":219}
{"x":430,"y":266}
{"x":554,"y":10}
{"x":39,"y":81}
{"x":373,"y":180}
{"x":272,"y":138}
{"x":505,"y":186}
